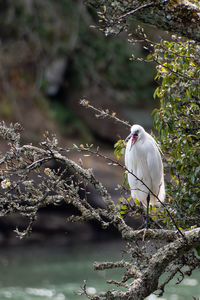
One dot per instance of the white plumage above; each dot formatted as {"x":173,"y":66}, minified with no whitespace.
{"x":143,"y":158}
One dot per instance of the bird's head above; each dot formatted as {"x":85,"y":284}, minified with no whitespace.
{"x":136,"y":134}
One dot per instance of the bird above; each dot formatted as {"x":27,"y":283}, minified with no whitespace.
{"x":145,"y":168}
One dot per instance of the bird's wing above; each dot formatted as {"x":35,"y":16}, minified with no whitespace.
{"x":154,"y":164}
{"x":154,"y":142}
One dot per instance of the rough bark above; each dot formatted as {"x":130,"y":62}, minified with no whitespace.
{"x":178,"y":16}
{"x":146,"y":282}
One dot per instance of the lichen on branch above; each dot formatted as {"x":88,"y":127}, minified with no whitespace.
{"x":180,"y":17}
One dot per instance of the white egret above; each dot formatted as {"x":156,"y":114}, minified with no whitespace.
{"x":143,"y":159}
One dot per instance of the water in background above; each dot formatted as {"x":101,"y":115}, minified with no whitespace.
{"x":56,"y":273}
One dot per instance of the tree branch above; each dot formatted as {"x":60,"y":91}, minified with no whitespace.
{"x":21,"y":192}
{"x":112,"y":214}
{"x":147,"y":282}
{"x":180,"y":17}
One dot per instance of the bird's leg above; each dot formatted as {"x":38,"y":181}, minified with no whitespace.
{"x":147,"y":217}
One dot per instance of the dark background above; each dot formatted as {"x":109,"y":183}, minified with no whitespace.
{"x":50,"y":58}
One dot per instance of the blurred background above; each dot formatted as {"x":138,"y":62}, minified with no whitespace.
{"x":50,"y":58}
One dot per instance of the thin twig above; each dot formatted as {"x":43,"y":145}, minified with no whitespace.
{"x":171,"y":276}
{"x":135,"y":10}
{"x":117,"y":163}
{"x":103,"y":113}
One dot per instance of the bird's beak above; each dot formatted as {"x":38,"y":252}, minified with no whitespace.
{"x":128,"y":137}
{"x":134,"y":137}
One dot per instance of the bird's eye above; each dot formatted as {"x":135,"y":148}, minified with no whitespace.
{"x":136,"y":133}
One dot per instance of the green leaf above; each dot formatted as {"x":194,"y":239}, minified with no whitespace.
{"x":136,"y":200}
{"x":188,"y":94}
{"x":119,"y":147}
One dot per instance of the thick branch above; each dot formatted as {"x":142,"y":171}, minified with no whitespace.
{"x":180,"y":17}
{"x":147,"y":283}
{"x":126,"y":231}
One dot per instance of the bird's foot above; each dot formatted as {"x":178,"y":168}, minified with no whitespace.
{"x":143,"y":238}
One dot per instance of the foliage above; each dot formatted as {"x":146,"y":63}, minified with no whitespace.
{"x":178,"y":124}
{"x":119,"y":147}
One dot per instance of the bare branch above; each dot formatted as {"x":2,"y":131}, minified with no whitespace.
{"x":147,"y":283}
{"x":100,"y":113}
{"x":181,"y":17}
